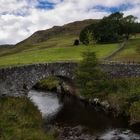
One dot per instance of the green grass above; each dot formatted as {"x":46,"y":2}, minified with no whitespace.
{"x":21,"y":120}
{"x":39,"y":54}
{"x":48,"y":84}
{"x":124,"y":96}
{"x":60,"y":48}
{"x":131,"y":51}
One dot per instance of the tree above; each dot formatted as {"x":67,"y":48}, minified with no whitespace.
{"x":90,"y":38}
{"x":128,"y":26}
{"x":117,"y":16}
{"x":83,"y":37}
{"x":111,"y":29}
{"x":87,"y":35}
{"x":89,"y":76}
{"x":107,"y":31}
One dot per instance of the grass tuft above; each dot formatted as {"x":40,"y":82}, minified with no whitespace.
{"x":21,"y":120}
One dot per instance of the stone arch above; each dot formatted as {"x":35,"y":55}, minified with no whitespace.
{"x":64,"y":81}
{"x":19,"y":80}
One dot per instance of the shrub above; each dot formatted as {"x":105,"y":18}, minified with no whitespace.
{"x":135,"y":112}
{"x":21,"y":120}
{"x":76,"y":42}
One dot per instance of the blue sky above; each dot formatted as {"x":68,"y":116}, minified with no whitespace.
{"x":112,"y":9}
{"x":46,"y":5}
{"x":21,"y":18}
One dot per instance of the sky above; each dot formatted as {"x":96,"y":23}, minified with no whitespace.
{"x":21,"y":18}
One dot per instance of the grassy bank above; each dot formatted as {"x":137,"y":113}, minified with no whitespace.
{"x":131,"y":51}
{"x":20,"y":120}
{"x":54,"y":54}
{"x":60,"y":48}
{"x":124,"y":96}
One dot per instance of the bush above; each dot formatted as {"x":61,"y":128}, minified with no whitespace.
{"x":124,"y":96}
{"x":135,"y":112}
{"x":21,"y":120}
{"x":76,"y":42}
{"x":119,"y":102}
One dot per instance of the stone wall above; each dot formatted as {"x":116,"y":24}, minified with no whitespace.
{"x":18,"y":80}
{"x":121,"y":70}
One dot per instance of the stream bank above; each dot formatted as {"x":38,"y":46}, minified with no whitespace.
{"x":68,"y":118}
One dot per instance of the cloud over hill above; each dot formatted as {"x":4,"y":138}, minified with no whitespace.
{"x":20,"y":18}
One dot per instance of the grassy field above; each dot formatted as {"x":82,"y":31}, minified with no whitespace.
{"x":55,"y":49}
{"x":131,"y":51}
{"x":60,"y":48}
{"x":21,"y":120}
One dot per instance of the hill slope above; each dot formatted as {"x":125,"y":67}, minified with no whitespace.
{"x":56,"y":44}
{"x":131,"y":53}
{"x":58,"y":36}
{"x":72,"y":29}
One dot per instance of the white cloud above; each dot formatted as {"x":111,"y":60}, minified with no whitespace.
{"x":20,"y":18}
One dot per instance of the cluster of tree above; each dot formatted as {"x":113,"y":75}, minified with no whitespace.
{"x":111,"y":29}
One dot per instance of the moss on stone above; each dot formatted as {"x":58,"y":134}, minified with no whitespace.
{"x":48,"y":84}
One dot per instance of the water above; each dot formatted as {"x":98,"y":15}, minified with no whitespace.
{"x":68,"y":111}
{"x":47,"y":103}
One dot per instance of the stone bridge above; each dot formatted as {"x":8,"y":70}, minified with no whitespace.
{"x":14,"y":80}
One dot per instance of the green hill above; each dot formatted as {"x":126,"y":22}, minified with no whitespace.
{"x":57,"y":36}
{"x":131,"y":53}
{"x":71,"y":29}
{"x":56,"y":44}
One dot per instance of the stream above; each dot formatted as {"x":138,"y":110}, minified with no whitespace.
{"x":75,"y":120}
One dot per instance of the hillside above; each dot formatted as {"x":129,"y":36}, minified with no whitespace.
{"x":58,"y":36}
{"x":72,"y":29}
{"x":131,"y":53}
{"x":6,"y":45}
{"x":56,"y":44}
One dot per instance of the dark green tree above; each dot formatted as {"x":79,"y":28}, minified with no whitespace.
{"x":107,"y":31}
{"x":89,"y":76}
{"x":111,"y":29}
{"x":117,"y":16}
{"x":128,"y":26}
{"x":84,"y":38}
